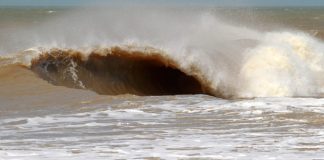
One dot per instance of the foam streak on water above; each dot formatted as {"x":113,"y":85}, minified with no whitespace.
{"x":171,"y":128}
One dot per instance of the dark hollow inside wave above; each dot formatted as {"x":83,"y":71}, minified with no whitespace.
{"x":116,"y":72}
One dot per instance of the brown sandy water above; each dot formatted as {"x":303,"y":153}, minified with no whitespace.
{"x":74,"y":103}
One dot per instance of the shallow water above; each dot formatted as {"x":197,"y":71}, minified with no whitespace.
{"x":169,"y":127}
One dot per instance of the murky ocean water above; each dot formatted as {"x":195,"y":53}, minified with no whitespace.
{"x":43,"y":119}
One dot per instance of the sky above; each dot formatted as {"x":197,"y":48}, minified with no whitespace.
{"x":176,"y":2}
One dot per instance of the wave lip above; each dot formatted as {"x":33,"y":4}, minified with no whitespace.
{"x":116,"y":70}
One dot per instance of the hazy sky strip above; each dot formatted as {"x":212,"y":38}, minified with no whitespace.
{"x":168,"y":2}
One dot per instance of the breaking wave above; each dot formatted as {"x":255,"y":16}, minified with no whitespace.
{"x":169,"y":53}
{"x":283,"y":64}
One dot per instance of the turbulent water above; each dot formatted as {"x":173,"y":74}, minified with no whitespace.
{"x":161,"y":83}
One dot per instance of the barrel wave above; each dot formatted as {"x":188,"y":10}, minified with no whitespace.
{"x":116,"y":71}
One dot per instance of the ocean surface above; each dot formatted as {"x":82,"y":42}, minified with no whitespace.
{"x":161,"y":83}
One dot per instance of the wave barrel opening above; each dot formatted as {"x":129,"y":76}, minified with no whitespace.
{"x":114,"y":72}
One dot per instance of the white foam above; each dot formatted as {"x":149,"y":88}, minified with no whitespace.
{"x":284,"y":64}
{"x":172,"y":127}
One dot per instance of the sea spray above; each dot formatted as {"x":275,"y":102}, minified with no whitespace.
{"x":229,"y":60}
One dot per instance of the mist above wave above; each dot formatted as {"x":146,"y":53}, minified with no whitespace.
{"x":234,"y":60}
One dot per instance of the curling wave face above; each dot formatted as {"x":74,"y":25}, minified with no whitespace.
{"x":116,"y":71}
{"x":208,"y":56}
